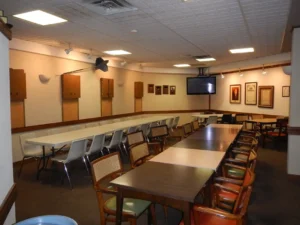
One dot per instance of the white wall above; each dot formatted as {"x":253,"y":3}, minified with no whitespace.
{"x":6,"y":170}
{"x":275,"y":76}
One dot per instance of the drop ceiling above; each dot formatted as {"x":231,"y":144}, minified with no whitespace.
{"x":168,"y":31}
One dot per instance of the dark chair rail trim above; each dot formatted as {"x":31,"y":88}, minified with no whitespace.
{"x":7,"y":203}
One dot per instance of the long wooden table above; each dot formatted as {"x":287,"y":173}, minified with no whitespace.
{"x":87,"y":133}
{"x":263,"y":122}
{"x":176,"y":176}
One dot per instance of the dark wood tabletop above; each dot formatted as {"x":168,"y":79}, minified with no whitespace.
{"x":167,"y":180}
{"x":216,"y":134}
{"x":211,"y":145}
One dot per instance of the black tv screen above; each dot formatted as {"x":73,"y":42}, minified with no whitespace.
{"x":201,"y":85}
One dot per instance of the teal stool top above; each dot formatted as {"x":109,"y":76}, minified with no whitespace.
{"x":48,"y":220}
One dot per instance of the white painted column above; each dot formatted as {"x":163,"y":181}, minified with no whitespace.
{"x":294,"y":140}
{"x":6,"y":167}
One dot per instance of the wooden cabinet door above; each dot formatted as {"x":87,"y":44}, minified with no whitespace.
{"x":17,"y":85}
{"x":104,"y":87}
{"x":138,"y":89}
{"x":110,"y":88}
{"x":70,"y":86}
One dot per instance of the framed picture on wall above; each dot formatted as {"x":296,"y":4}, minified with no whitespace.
{"x":235,"y":94}
{"x":173,"y":90}
{"x":165,"y":89}
{"x":285,"y":91}
{"x":150,"y":88}
{"x":158,"y":90}
{"x":266,"y":96}
{"x":251,"y":93}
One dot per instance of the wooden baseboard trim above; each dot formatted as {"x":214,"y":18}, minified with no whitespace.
{"x":294,"y":130}
{"x":8,"y":203}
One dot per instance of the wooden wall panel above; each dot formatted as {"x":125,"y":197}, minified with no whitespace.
{"x":138,"y":106}
{"x":17,"y":114}
{"x":70,"y":110}
{"x":106,"y":106}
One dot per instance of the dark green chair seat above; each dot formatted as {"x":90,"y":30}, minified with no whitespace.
{"x":244,"y":157}
{"x":236,"y":172}
{"x":133,"y":207}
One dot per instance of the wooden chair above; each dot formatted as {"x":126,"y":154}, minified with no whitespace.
{"x":202,"y":215}
{"x":139,"y":154}
{"x":161,"y":134}
{"x":276,"y":134}
{"x":138,"y":137}
{"x":195,"y":124}
{"x":106,"y":168}
{"x":187,"y":129}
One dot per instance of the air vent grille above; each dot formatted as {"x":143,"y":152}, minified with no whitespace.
{"x":108,"y":7}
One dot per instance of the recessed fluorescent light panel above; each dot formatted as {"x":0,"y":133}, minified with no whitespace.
{"x":241,"y":50}
{"x":40,"y":17}
{"x":182,"y":65}
{"x":206,"y":59}
{"x":117,"y":52}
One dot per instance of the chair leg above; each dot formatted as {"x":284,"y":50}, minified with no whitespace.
{"x":132,"y":221}
{"x":153,"y":215}
{"x":39,"y":163}
{"x":166,"y":213}
{"x":68,"y":176}
{"x":47,"y":161}
{"x":124,"y":146}
{"x":20,"y":171}
{"x":86,"y":166}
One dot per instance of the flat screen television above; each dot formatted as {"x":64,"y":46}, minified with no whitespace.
{"x":201,"y":85}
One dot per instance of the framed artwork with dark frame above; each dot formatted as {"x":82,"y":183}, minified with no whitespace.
{"x":165,"y":89}
{"x":285,"y":91}
{"x":266,"y":96}
{"x":158,"y":90}
{"x":235,"y":94}
{"x":150,"y":88}
{"x":172,"y":90}
{"x":251,"y":93}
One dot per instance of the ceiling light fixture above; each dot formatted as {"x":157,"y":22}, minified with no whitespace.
{"x":264,"y":72}
{"x":241,"y":50}
{"x":134,"y":31}
{"x":40,"y":17}
{"x":117,"y":52}
{"x":206,"y":59}
{"x":240,"y":73}
{"x":182,"y":65}
{"x":68,"y":50}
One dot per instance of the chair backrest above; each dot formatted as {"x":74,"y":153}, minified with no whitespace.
{"x":55,"y":131}
{"x":176,"y":121}
{"x":241,"y":118}
{"x":135,"y":137}
{"x":227,"y":118}
{"x":77,"y":150}
{"x":94,"y":124}
{"x":212,"y":120}
{"x":195,"y":124}
{"x":116,"y":138}
{"x":132,"y":129}
{"x":163,"y":122}
{"x":138,"y":153}
{"x":257,"y":116}
{"x":97,"y":143}
{"x":75,"y":127}
{"x":187,"y":129}
{"x":170,"y":123}
{"x":159,"y":131}
{"x":153,"y":124}
{"x":145,"y":129}
{"x":26,"y":146}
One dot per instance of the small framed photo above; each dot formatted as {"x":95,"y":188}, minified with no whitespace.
{"x":150,"y":88}
{"x":266,"y":96}
{"x":173,"y":90}
{"x":165,"y":89}
{"x":235,"y":94}
{"x":285,"y":91}
{"x":158,"y":90}
{"x":251,"y":93}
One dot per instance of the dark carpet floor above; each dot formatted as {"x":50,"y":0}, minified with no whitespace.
{"x":275,"y":199}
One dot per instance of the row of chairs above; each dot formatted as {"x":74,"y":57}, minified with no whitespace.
{"x":84,"y":149}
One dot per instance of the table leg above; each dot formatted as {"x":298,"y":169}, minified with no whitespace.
{"x":43,"y":165}
{"x":187,"y":213}
{"x":119,"y":207}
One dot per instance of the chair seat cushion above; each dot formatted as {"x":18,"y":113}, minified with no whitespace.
{"x":132,"y":207}
{"x":60,"y":158}
{"x":276,"y":134}
{"x":209,"y":219}
{"x":37,"y":151}
{"x":236,"y":172}
{"x":244,"y":157}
